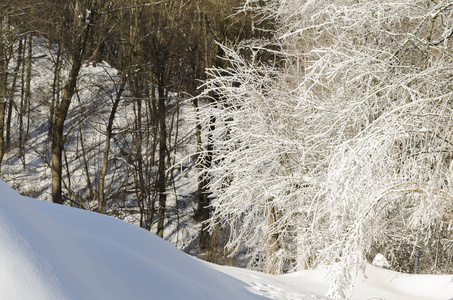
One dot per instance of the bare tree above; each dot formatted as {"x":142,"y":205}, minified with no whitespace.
{"x":82,"y":26}
{"x":6,"y":48}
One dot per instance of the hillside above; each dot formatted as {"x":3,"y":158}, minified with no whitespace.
{"x":55,"y":252}
{"x":276,"y":135}
{"x":85,"y":129}
{"x":49,"y":251}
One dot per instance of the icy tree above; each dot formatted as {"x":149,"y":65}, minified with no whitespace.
{"x":334,"y":137}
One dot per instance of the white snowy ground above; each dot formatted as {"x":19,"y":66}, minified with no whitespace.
{"x":49,"y":251}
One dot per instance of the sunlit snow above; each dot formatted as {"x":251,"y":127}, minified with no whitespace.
{"x":49,"y":251}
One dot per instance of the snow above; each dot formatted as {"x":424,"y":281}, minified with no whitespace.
{"x":96,"y":87}
{"x":380,"y":261}
{"x":48,"y":251}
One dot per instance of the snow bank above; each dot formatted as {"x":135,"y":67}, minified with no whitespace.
{"x":49,"y":251}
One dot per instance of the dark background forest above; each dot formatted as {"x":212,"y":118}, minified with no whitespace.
{"x":158,"y":51}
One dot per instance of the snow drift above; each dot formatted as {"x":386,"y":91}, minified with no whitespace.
{"x":49,"y":251}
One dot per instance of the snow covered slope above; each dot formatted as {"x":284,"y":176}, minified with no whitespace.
{"x":49,"y":251}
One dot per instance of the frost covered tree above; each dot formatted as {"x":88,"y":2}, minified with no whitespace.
{"x":334,"y":137}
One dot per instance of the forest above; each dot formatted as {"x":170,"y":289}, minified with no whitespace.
{"x":92,"y":94}
{"x":278,"y":135}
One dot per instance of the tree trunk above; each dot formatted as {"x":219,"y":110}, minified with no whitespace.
{"x":150,"y":146}
{"x":58,"y":138}
{"x":4,"y":60}
{"x":141,"y":194}
{"x":2,"y":123}
{"x":55,"y":90}
{"x":203,"y":210}
{"x":105,"y":163}
{"x":61,"y":111}
{"x":161,"y":177}
{"x":273,"y":245}
{"x":26,"y":103}
{"x":85,"y":157}
{"x":11,"y":96}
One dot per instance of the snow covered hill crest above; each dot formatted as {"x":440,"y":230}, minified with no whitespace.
{"x":49,"y":251}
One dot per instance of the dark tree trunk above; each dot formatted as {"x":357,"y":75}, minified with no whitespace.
{"x":26,"y":102}
{"x":203,"y":209}
{"x":105,"y":163}
{"x":161,"y":177}
{"x":4,"y":61}
{"x":61,"y":111}
{"x":55,"y":90}
{"x":11,"y":96}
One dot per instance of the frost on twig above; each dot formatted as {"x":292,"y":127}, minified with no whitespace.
{"x":344,"y":148}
